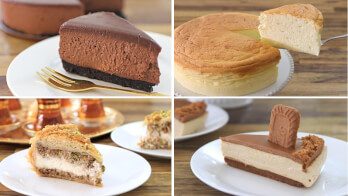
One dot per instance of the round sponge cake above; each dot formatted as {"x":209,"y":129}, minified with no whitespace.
{"x":214,"y":56}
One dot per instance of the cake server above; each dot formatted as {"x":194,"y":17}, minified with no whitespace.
{"x":65,"y":83}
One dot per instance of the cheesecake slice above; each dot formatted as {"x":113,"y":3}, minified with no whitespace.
{"x":295,"y":27}
{"x":106,"y":47}
{"x":189,"y":118}
{"x":300,"y":166}
{"x":158,"y":134}
{"x":281,"y":155}
{"x":61,"y":151}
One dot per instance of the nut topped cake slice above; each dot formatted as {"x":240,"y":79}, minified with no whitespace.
{"x":61,"y":151}
{"x":106,"y":47}
{"x":158,"y":134}
{"x":295,"y":161}
{"x":295,"y":27}
{"x":189,"y":118}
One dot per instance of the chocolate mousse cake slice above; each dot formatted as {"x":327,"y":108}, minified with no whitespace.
{"x":189,"y":118}
{"x":297,"y":162}
{"x":106,"y":47}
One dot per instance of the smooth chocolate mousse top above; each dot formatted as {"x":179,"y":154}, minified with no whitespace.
{"x":108,"y":24}
{"x":306,"y":151}
{"x":46,"y":2}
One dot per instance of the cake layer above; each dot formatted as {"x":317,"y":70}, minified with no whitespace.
{"x":110,"y":44}
{"x":225,"y":84}
{"x":295,"y":27}
{"x":189,"y":127}
{"x":306,"y":149}
{"x":281,"y":165}
{"x":268,"y":174}
{"x":39,"y":17}
{"x":103,"y":5}
{"x":99,"y":75}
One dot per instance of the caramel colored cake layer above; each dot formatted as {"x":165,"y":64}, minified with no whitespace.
{"x":307,"y":148}
{"x":39,"y":17}
{"x":107,"y":43}
{"x":190,"y":111}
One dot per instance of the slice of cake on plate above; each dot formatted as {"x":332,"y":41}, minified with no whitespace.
{"x":158,"y":134}
{"x":189,"y":118}
{"x":61,"y":151}
{"x":295,"y":27}
{"x":106,"y":47}
{"x":280,"y":156}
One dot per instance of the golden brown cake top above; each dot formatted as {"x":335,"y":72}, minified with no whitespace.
{"x":190,"y":111}
{"x":69,"y":133}
{"x":299,"y":10}
{"x":158,"y":117}
{"x":208,"y":45}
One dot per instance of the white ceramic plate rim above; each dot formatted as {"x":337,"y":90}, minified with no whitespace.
{"x":262,"y":92}
{"x":240,"y":191}
{"x":28,"y":192}
{"x":32,"y":80}
{"x":222,"y":114}
{"x":115,"y":135}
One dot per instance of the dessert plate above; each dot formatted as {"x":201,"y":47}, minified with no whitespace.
{"x":128,"y":136}
{"x":217,"y":118}
{"x":45,"y":53}
{"x":119,"y":177}
{"x":207,"y":163}
{"x":285,"y":72}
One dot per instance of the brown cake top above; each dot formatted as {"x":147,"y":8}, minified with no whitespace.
{"x":306,"y":151}
{"x":284,"y":124}
{"x":190,"y":111}
{"x":178,"y":103}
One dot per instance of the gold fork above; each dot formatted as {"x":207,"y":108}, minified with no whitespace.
{"x":66,"y":83}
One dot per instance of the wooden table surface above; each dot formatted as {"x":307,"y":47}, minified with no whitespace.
{"x":149,"y":15}
{"x":325,"y":75}
{"x":133,"y":110}
{"x":321,"y":116}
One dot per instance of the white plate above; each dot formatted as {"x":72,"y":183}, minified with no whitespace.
{"x":217,"y":118}
{"x":207,"y":163}
{"x":128,"y":136}
{"x":285,"y":72}
{"x":124,"y":171}
{"x":24,"y":82}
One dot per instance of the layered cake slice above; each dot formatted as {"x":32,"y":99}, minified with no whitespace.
{"x":106,"y":47}
{"x":61,"y":151}
{"x":39,"y":17}
{"x":280,"y":156}
{"x":189,"y":118}
{"x":158,"y":134}
{"x":296,"y":27}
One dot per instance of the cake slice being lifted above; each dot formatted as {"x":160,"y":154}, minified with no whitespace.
{"x":189,"y":117}
{"x":158,"y":134}
{"x":281,"y":156}
{"x":61,"y":151}
{"x":106,"y":47}
{"x":295,"y":27}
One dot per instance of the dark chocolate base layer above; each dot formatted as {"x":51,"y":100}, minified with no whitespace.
{"x":95,"y":74}
{"x":260,"y":172}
